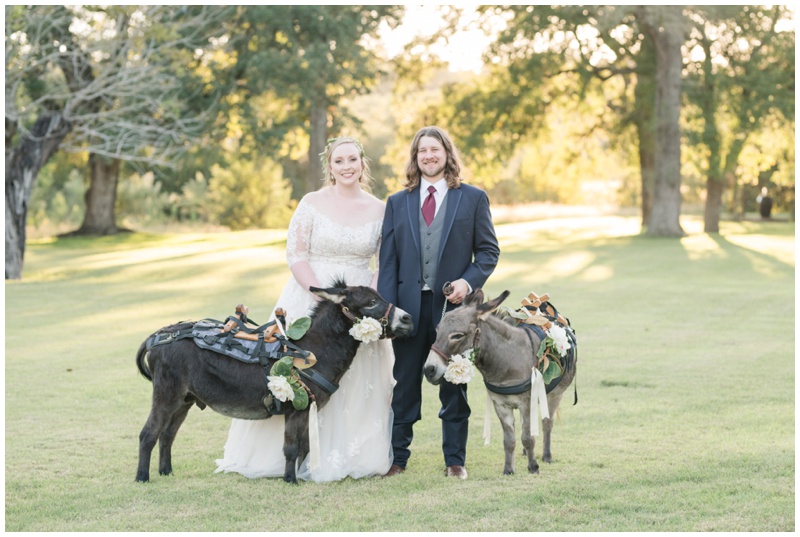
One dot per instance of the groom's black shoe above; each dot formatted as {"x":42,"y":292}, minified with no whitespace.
{"x":456,"y":471}
{"x":394,"y":470}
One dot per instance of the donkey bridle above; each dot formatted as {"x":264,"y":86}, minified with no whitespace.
{"x":447,"y":359}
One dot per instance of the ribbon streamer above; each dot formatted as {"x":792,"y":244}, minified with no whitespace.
{"x":538,"y":399}
{"x":487,"y":420}
{"x":313,"y":438}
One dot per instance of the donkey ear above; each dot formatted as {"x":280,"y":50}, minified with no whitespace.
{"x":475,"y":297}
{"x":334,"y":294}
{"x":484,"y":310}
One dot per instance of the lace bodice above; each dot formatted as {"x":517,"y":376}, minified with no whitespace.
{"x":323,"y":242}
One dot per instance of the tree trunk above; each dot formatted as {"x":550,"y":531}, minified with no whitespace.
{"x":23,"y":163}
{"x":645,"y":95}
{"x":715,"y":178}
{"x":711,"y":216}
{"x":318,"y":135}
{"x":664,"y":24}
{"x":101,"y":197}
{"x":729,"y":173}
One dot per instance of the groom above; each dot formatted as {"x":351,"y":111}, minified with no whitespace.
{"x":437,"y":230}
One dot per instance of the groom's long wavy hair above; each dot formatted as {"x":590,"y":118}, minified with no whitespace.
{"x":452,"y":168}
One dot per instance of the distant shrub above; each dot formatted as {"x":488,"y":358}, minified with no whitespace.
{"x":246,"y":195}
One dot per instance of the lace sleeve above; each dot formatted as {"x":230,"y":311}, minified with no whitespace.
{"x":298,"y":237}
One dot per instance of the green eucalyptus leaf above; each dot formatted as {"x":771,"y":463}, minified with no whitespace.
{"x":300,"y":401}
{"x":553,"y":371}
{"x":282,"y":367}
{"x":298,"y":328}
{"x":514,"y":313}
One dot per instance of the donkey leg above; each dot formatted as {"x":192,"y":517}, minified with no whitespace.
{"x":547,"y":426}
{"x":296,"y":423}
{"x":147,"y":440}
{"x":167,"y":437}
{"x":528,"y":441}
{"x":303,"y":446}
{"x":506,"y":415}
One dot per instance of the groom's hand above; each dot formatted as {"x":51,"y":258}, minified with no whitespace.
{"x":460,"y":290}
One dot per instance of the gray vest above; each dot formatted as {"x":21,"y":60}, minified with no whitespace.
{"x":430,"y":240}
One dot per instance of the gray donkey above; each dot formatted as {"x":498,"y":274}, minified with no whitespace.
{"x":505,"y":355}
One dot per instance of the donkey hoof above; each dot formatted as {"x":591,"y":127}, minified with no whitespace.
{"x":534,"y":470}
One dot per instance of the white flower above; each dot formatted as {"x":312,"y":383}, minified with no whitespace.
{"x":280,"y":388}
{"x":559,"y":337}
{"x":366,"y":330}
{"x":460,"y":370}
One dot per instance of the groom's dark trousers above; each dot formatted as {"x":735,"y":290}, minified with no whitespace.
{"x":407,"y":400}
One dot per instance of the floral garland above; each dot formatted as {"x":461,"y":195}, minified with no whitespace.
{"x":556,"y":343}
{"x":284,"y":383}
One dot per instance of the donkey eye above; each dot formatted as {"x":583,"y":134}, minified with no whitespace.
{"x":373,"y":303}
{"x":456,"y":336}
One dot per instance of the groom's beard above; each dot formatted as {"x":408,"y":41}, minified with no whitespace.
{"x":431,"y":171}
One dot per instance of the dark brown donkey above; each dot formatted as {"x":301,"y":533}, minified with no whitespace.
{"x":183,"y":374}
{"x":505,"y":355}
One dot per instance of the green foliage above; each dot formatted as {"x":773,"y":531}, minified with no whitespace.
{"x":192,"y":203}
{"x":248,"y":194}
{"x":300,"y":401}
{"x":298,"y":328}
{"x":288,"y":58}
{"x":283,"y":367}
{"x":141,"y":201}
{"x":738,"y":90}
{"x":58,"y":197}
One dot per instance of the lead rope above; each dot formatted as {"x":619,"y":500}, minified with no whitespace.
{"x":446,"y":290}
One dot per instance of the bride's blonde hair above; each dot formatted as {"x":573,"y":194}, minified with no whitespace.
{"x":325,"y":160}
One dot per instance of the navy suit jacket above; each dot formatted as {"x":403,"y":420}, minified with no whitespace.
{"x":468,"y":248}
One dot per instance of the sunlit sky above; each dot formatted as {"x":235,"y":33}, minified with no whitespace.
{"x":463,"y":53}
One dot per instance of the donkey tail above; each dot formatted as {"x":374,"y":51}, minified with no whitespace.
{"x":141,"y":362}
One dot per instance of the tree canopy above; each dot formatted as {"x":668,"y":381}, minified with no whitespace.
{"x":223,"y":106}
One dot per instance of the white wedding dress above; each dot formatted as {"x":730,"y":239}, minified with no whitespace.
{"x":355,"y":426}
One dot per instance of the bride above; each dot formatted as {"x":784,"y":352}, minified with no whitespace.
{"x":334,"y":233}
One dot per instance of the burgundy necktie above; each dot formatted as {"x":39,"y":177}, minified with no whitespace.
{"x":429,"y":206}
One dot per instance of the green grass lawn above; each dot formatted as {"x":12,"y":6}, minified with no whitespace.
{"x":685,"y":420}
